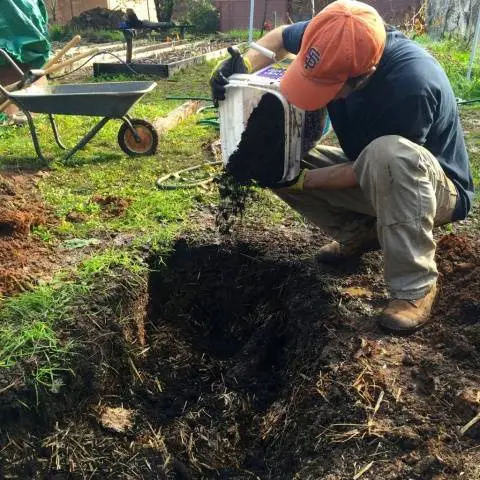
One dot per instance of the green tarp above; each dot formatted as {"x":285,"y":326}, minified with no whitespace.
{"x":24,"y":31}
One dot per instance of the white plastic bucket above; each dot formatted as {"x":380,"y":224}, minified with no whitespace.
{"x":243,"y":95}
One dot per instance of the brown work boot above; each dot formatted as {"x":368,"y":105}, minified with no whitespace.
{"x":335,"y":253}
{"x":407,"y":316}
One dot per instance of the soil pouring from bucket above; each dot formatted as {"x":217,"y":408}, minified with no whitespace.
{"x":260,"y":156}
{"x":258,"y":159}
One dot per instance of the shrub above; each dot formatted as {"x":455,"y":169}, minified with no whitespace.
{"x":203,"y":15}
{"x":59,"y":33}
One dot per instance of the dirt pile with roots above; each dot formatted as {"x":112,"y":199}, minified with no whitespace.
{"x":23,"y":258}
{"x":247,"y":360}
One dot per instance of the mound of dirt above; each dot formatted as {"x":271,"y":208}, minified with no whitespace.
{"x":98,"y":18}
{"x":23,"y":258}
{"x":111,"y":205}
{"x":255,"y":362}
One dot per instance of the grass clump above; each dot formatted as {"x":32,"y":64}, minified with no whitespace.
{"x":64,"y":33}
{"x":241,"y":35}
{"x":28,"y":336}
{"x":454,"y":57}
{"x":30,"y":322}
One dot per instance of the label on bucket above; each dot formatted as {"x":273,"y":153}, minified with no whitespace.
{"x":274,"y":72}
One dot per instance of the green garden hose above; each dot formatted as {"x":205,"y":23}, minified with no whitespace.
{"x":176,"y":186}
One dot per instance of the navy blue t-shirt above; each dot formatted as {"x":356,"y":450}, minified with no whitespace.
{"x":409,"y":95}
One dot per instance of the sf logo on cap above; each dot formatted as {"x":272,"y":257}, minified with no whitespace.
{"x":311,"y":58}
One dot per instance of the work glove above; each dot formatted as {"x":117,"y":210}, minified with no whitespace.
{"x":295,"y":185}
{"x":219,"y":78}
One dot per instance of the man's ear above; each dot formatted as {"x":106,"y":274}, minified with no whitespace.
{"x":357,"y":83}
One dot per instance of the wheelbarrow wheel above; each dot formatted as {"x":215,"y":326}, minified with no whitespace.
{"x":148,"y":141}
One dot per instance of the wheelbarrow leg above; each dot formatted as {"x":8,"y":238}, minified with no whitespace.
{"x":33,"y":133}
{"x":87,"y":137}
{"x":55,"y":132}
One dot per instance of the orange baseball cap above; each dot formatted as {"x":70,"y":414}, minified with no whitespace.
{"x":346,"y":39}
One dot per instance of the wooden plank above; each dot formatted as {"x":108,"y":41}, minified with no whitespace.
{"x":164,"y":124}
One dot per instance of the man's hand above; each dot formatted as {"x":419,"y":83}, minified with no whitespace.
{"x":297,"y":183}
{"x":219,"y":78}
{"x":336,"y":177}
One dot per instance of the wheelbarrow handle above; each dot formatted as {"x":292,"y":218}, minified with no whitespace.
{"x":52,"y":69}
{"x":72,"y":43}
{"x":75,"y":58}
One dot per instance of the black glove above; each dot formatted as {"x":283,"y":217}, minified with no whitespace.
{"x":219,"y":78}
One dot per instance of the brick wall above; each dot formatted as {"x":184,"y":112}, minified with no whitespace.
{"x":235,"y":13}
{"x":395,"y":10}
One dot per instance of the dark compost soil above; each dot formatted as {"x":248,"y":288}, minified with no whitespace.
{"x":261,"y":151}
{"x":258,"y":158}
{"x":254,"y":362}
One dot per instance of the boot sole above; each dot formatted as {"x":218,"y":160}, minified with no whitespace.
{"x":402,"y":332}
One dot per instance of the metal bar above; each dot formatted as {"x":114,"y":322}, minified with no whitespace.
{"x":250,"y":28}
{"x":474,"y":47}
{"x":264,"y":51}
{"x":87,"y":137}
{"x":186,"y":97}
{"x":55,"y":132}
{"x":12,"y":63}
{"x":33,"y":133}
{"x":128,"y":121}
{"x":468,"y":102}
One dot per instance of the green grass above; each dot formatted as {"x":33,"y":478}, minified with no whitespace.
{"x":471,"y":116}
{"x":28,"y":336}
{"x":454,"y":56}
{"x":241,"y":35}
{"x":63,"y":33}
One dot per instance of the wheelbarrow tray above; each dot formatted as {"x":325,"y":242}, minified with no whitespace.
{"x":112,"y":99}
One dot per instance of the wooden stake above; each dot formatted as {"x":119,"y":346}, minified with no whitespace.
{"x":72,"y":43}
{"x":58,"y":66}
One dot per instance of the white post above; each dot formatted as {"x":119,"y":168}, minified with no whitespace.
{"x":275,"y":19}
{"x":474,"y":47}
{"x":313,"y":8}
{"x":250,"y":29}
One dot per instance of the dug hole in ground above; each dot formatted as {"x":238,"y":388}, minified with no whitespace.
{"x":244,"y":359}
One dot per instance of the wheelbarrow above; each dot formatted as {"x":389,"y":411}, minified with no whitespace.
{"x":110,"y":100}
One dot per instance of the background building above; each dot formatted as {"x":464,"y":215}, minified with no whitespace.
{"x":62,"y":11}
{"x":234,"y":14}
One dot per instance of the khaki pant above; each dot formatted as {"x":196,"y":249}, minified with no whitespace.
{"x":403,"y":193}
